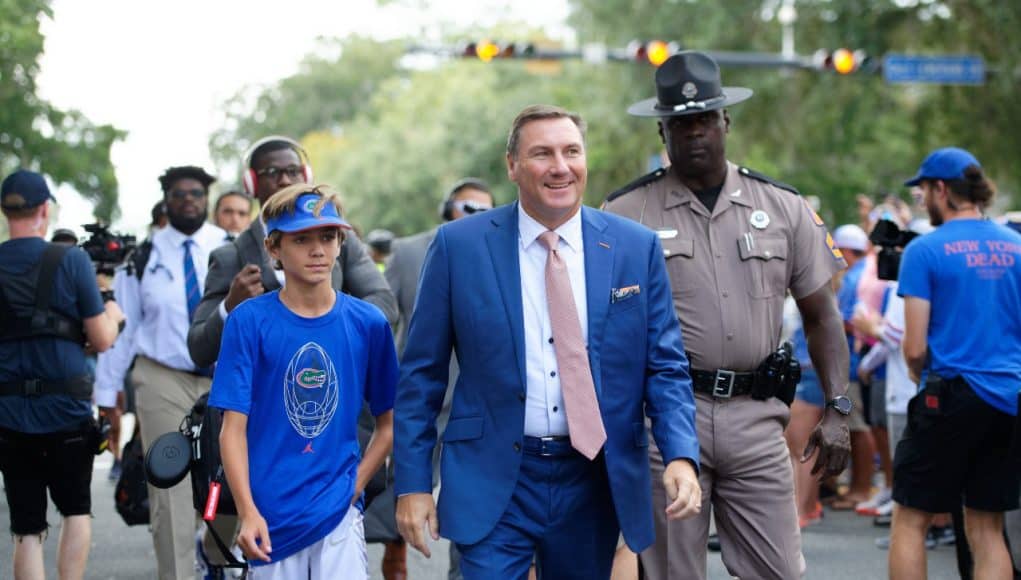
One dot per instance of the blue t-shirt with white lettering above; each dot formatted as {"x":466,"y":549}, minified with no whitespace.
{"x":970,"y":272}
{"x":302,"y":381}
{"x":75,"y":295}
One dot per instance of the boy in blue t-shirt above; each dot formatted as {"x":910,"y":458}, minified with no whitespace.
{"x":962,"y":307}
{"x":294,"y":368}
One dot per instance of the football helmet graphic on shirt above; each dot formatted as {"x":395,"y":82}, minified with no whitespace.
{"x":311,"y":391}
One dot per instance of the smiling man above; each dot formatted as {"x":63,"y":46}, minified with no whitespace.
{"x":561,"y":321}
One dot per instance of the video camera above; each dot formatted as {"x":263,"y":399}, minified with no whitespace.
{"x":891,"y":241}
{"x":106,"y":249}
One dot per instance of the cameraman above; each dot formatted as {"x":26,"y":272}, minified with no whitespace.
{"x":47,"y":436}
{"x":962,"y":301}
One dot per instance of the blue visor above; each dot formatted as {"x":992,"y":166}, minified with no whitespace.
{"x":302,"y":217}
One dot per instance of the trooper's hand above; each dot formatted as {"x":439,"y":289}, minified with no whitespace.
{"x":253,"y":537}
{"x":833,"y":441}
{"x":246,"y":284}
{"x":682,"y":490}
{"x":414,"y":511}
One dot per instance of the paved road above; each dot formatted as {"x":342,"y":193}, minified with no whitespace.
{"x":840,"y":547}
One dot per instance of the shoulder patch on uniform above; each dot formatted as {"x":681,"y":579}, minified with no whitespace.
{"x":766,"y":179}
{"x":643,"y":180}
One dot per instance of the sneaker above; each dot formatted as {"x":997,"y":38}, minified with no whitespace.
{"x":944,"y":536}
{"x":882,"y":520}
{"x":870,"y":507}
{"x":115,"y":471}
{"x":883,"y":543}
{"x":714,"y":543}
{"x":811,"y":517}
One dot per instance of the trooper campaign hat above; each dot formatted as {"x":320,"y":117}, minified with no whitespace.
{"x":688,"y":83}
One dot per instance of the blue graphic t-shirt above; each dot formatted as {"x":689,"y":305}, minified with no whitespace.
{"x":76,"y":295}
{"x":970,"y":272}
{"x":302,"y":381}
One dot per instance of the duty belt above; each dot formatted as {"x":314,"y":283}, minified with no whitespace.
{"x":722,"y":383}
{"x":77,"y":387}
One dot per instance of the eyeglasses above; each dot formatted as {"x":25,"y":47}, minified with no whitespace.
{"x":294,"y":172}
{"x":469,"y":207}
{"x":183,"y":193}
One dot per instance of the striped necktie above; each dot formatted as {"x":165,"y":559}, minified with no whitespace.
{"x":193,"y":294}
{"x":584,"y":422}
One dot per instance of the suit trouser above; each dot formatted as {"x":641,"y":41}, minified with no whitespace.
{"x":164,"y":396}
{"x":746,"y":477}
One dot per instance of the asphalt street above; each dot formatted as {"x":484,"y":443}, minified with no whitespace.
{"x":839,"y":547}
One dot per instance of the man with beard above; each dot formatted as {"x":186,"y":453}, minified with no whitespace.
{"x":161,"y":297}
{"x":735,"y":241}
{"x":962,"y":342}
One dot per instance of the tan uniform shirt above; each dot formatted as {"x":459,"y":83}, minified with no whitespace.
{"x":730,"y":270}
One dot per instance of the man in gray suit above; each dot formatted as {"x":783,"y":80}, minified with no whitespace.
{"x":242,"y":269}
{"x":467,"y":196}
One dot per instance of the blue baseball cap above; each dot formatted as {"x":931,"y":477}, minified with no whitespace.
{"x":24,"y":189}
{"x":946,"y":163}
{"x":302,"y":217}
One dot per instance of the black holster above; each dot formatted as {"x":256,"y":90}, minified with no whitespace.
{"x":778,"y":375}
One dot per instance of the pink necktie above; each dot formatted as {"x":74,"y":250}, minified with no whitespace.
{"x":584,"y":422}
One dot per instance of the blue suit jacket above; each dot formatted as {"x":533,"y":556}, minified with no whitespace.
{"x":469,"y":299}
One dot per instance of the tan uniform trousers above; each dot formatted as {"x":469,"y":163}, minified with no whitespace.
{"x":163,"y":397}
{"x":746,"y":477}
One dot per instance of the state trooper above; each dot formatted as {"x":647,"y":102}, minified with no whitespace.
{"x":735,"y":242}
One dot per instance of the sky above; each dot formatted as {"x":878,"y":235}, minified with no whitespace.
{"x":161,"y":70}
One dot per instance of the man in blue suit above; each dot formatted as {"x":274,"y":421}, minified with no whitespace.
{"x":562,"y":322}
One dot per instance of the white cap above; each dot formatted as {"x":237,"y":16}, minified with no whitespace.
{"x":850,"y":237}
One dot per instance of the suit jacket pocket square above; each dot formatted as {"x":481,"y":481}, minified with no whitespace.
{"x":618,"y":294}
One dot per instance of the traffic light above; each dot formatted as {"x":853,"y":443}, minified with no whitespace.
{"x":655,"y":52}
{"x":842,"y":61}
{"x":486,"y":50}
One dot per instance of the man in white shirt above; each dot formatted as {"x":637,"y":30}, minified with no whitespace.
{"x":162,"y":297}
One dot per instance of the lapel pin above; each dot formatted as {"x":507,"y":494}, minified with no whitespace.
{"x":605,"y":245}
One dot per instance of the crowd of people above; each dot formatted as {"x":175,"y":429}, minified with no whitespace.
{"x":585,"y":387}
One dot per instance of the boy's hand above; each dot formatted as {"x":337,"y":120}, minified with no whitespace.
{"x":253,"y":532}
{"x":414,"y":511}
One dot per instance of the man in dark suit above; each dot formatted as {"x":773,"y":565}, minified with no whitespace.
{"x":242,"y":269}
{"x":562,"y":323}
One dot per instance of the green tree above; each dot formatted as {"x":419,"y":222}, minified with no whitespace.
{"x":33,"y":134}
{"x":331,"y":88}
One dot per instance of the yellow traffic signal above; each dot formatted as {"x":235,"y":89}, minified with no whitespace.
{"x":486,"y":50}
{"x":844,"y":61}
{"x":657,"y":52}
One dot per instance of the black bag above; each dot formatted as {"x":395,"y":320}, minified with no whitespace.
{"x":131,"y":496}
{"x":203,"y":428}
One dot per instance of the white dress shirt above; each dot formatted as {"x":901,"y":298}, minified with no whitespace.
{"x":156,"y":309}
{"x":544,"y":405}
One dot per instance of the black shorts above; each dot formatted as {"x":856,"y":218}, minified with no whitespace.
{"x":32,"y":463}
{"x":956,"y":447}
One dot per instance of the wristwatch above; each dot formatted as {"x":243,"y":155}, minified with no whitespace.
{"x":842,"y":404}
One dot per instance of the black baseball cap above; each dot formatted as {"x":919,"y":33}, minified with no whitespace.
{"x":24,"y":189}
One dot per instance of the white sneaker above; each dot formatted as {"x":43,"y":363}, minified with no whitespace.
{"x":870,"y":507}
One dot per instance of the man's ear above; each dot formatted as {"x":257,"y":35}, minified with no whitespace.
{"x":510,"y":167}
{"x":726,"y":121}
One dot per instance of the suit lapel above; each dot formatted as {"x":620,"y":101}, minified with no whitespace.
{"x":599,"y":249}
{"x":502,"y":240}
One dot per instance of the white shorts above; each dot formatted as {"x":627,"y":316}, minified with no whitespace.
{"x":341,"y":554}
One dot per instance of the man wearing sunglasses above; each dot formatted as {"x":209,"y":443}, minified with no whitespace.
{"x":464,"y":198}
{"x":162,"y":298}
